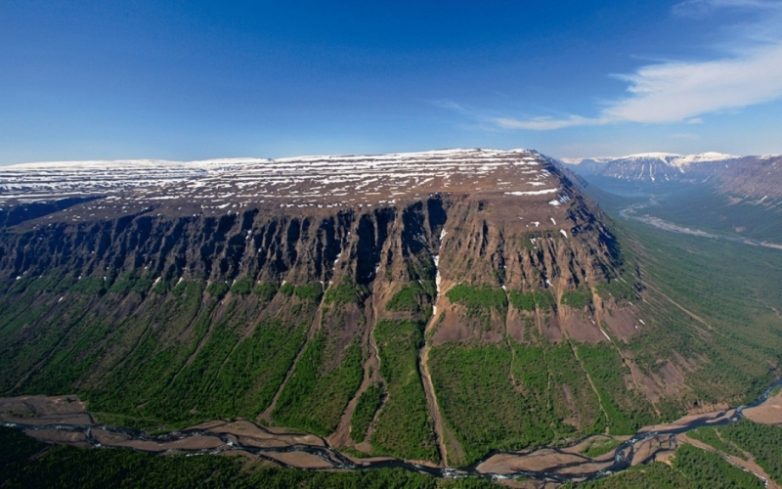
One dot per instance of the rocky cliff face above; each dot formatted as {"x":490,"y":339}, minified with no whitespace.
{"x":309,"y":293}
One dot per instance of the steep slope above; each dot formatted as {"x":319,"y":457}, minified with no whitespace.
{"x":753,"y":178}
{"x":432,"y":306}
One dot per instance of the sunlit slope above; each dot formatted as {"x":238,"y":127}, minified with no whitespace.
{"x":437,"y":327}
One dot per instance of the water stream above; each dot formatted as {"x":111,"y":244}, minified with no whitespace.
{"x":623,"y":454}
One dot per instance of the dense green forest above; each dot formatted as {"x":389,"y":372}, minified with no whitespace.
{"x":28,"y":464}
{"x":745,"y":439}
{"x":404,"y":427}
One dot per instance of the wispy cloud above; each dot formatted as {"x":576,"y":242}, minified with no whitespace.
{"x":548,"y":123}
{"x":686,"y":136}
{"x":701,"y":8}
{"x":672,"y":92}
{"x":451,"y":105}
{"x":684,"y":91}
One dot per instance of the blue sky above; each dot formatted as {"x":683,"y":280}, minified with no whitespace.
{"x":194,"y":79}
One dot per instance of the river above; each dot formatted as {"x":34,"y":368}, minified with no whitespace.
{"x":299,"y":451}
{"x":631,"y":212}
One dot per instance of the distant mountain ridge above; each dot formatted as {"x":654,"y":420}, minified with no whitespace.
{"x":745,"y":176}
{"x":650,"y":167}
{"x":670,"y":159}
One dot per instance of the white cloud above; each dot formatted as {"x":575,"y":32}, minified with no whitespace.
{"x":672,"y":92}
{"x":685,"y":91}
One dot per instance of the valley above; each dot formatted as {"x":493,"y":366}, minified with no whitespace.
{"x":632,"y":212}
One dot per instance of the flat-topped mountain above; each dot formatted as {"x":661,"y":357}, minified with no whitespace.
{"x":432,"y":306}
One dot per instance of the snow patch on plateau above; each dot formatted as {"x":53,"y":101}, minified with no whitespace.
{"x":533,"y":192}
